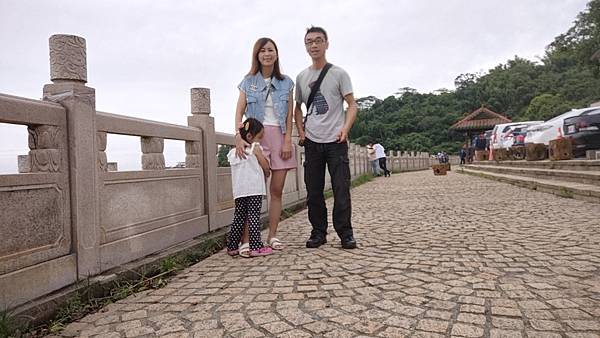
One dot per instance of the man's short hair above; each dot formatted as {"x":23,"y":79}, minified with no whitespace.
{"x":314,"y":29}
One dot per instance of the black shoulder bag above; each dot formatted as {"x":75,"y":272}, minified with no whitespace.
{"x":313,"y":92}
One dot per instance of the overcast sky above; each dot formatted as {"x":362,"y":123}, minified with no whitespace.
{"x":144,"y":56}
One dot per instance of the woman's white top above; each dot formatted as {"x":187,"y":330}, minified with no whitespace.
{"x":271,"y":118}
{"x":247,"y":177}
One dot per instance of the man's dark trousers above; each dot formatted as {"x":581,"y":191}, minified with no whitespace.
{"x":383,"y":165}
{"x":335,"y":156}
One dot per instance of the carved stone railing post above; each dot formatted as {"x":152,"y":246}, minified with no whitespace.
{"x":101,"y":145}
{"x":44,"y":144}
{"x":152,"y":153}
{"x":68,"y":72}
{"x":200,"y":99}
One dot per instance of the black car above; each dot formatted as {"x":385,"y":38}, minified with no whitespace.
{"x":584,"y":130}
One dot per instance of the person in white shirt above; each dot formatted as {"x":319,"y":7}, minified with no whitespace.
{"x":248,"y":185}
{"x":380,"y":155}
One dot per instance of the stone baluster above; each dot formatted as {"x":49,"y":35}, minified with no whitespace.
{"x":193,"y":154}
{"x":44,"y":144}
{"x":352,"y":159}
{"x":101,"y":145}
{"x":68,"y":72}
{"x":152,"y":153}
{"x":200,"y":109}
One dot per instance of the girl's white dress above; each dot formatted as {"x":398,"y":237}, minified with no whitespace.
{"x":247,"y":177}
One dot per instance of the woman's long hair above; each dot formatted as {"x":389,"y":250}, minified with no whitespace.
{"x":256,"y":66}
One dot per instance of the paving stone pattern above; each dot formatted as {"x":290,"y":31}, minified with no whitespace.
{"x":438,"y":256}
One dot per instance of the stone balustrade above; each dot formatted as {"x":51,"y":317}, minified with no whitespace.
{"x":70,"y":217}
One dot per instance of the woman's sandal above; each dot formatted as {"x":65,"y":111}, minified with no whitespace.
{"x":244,"y":250}
{"x":275,"y":244}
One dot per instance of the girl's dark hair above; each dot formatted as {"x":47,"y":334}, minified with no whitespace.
{"x":314,"y":29}
{"x":256,"y":66}
{"x":250,"y":126}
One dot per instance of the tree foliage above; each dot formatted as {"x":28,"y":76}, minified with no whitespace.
{"x":568,"y":76}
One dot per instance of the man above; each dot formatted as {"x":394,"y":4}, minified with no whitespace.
{"x":380,"y":155}
{"x":325,"y":139}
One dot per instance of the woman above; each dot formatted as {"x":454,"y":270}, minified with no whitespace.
{"x":266,"y":95}
{"x":372,"y":159}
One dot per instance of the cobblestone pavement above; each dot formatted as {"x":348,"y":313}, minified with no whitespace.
{"x":438,"y":256}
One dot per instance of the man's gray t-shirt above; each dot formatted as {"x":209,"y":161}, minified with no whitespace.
{"x":326,"y":116}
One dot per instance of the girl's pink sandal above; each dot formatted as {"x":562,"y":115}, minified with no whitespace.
{"x":264,"y":251}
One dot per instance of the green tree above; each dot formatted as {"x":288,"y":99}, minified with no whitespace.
{"x":546,"y":106}
{"x":222,"y":155}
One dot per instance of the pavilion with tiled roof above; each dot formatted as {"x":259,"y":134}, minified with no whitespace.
{"x":478,"y":121}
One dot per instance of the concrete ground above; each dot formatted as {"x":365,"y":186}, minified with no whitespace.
{"x":438,"y":256}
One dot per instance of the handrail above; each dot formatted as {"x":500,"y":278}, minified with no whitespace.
{"x":20,"y":110}
{"x":225,"y":139}
{"x":127,"y":125}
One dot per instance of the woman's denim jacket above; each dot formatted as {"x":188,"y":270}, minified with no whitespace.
{"x":255,"y":88}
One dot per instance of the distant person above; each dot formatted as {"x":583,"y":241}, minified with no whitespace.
{"x":480,"y":142}
{"x":380,"y":155}
{"x":248,"y":182}
{"x":373,"y":160}
{"x":266,"y":95}
{"x":325,"y":139}
{"x":463,"y":155}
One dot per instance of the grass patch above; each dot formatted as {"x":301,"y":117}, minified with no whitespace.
{"x":9,"y":325}
{"x":360,"y":180}
{"x":564,"y":192}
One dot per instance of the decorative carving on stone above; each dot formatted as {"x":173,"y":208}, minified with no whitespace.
{"x":193,"y":161}
{"x":101,"y":140}
{"x":68,"y":58}
{"x":102,"y":161}
{"x":193,"y":147}
{"x":44,"y":137}
{"x":45,"y":160}
{"x":153,"y":161}
{"x":152,"y":144}
{"x":200,"y":101}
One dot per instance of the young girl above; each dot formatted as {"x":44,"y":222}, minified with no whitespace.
{"x":248,"y":183}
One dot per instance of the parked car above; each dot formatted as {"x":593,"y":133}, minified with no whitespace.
{"x":502,"y":134}
{"x":518,"y":135}
{"x":584,"y":130}
{"x":553,"y":128}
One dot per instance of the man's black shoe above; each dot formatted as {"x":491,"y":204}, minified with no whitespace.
{"x":315,"y":242}
{"x":349,"y":242}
